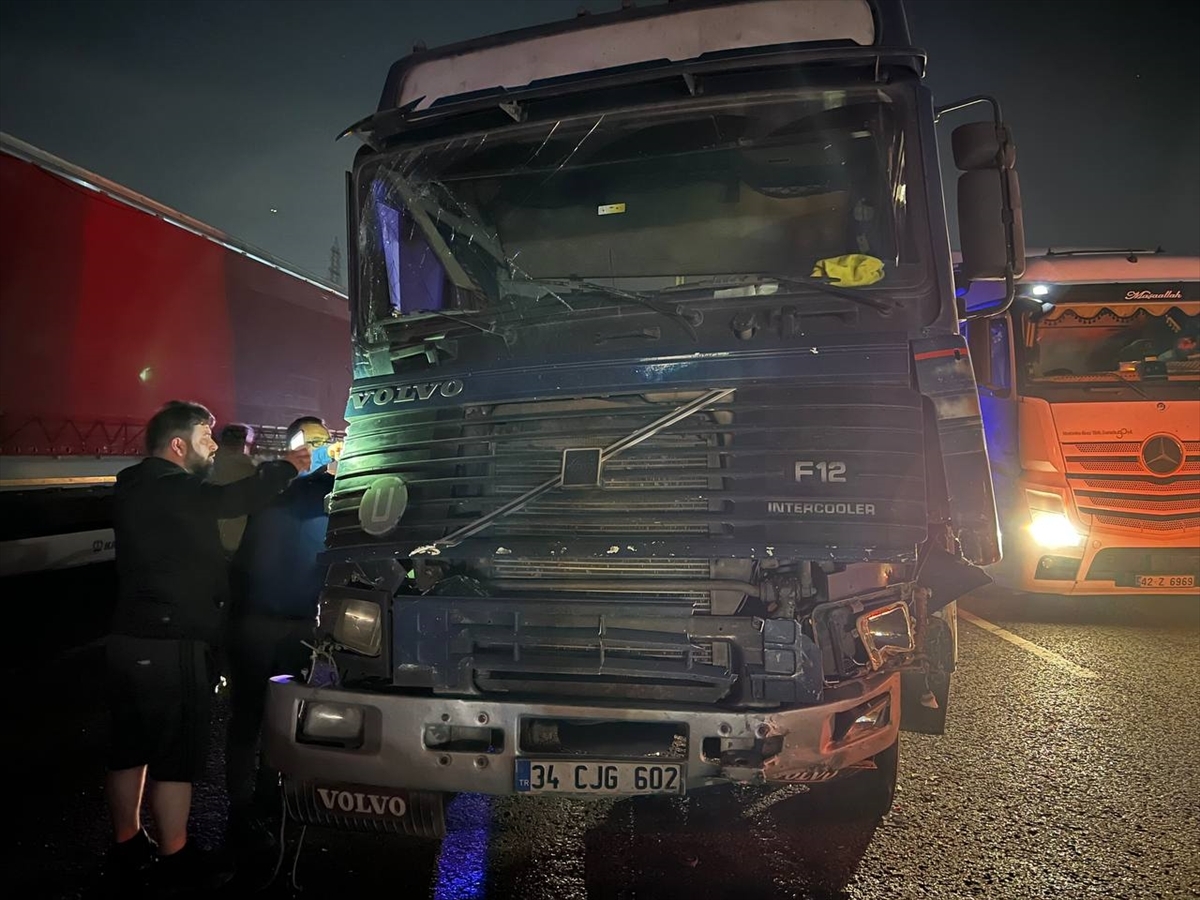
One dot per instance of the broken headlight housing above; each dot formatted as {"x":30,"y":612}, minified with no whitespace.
{"x":353,"y":619}
{"x":359,"y":626}
{"x":886,"y":631}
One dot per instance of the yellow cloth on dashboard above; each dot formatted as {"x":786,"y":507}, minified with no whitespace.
{"x":851,"y":270}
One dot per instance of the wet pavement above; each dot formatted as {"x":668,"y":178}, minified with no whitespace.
{"x":1049,"y":783}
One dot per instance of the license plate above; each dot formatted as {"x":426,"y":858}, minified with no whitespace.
{"x":1166,"y":581}
{"x":569,"y":777}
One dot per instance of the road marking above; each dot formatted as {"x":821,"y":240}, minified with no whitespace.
{"x":1029,"y":646}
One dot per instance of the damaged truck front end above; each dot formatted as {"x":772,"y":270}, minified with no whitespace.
{"x":665,"y":466}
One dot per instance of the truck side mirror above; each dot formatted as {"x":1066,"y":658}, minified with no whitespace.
{"x":989,"y":202}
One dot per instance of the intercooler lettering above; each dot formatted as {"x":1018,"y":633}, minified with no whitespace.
{"x":818,"y":508}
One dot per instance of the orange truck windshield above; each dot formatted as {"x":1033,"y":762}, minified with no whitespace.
{"x":1086,"y":341}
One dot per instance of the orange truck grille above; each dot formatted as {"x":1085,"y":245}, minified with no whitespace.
{"x":1115,"y":485}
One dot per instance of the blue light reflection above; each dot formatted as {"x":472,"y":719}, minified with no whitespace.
{"x":462,"y":863}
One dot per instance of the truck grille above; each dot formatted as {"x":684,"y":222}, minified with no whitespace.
{"x":725,"y":474}
{"x":604,"y":591}
{"x":1114,"y":489}
{"x":648,"y":649}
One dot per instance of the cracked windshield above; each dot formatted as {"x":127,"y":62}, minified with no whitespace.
{"x":810,"y":188}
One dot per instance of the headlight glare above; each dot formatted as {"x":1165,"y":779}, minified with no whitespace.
{"x":1048,"y":523}
{"x":1053,"y":530}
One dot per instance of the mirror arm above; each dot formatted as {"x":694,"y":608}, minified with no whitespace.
{"x":970,"y":101}
{"x":997,"y":309}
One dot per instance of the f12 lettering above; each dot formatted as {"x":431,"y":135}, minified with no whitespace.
{"x":828,"y":472}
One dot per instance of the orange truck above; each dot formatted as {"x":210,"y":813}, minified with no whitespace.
{"x":1089,"y":387}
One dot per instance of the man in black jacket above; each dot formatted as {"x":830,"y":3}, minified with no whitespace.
{"x":173,"y":585}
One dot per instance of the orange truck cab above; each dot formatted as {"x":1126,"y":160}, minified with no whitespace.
{"x":1090,"y":392}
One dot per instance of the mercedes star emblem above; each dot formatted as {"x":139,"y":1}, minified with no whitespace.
{"x":1162,"y":455}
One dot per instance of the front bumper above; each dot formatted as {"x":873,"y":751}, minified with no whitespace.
{"x":1109,"y":564}
{"x":803,"y":743}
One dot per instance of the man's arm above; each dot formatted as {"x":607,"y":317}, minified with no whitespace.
{"x":232,"y":468}
{"x":246,"y":495}
{"x":240,"y":498}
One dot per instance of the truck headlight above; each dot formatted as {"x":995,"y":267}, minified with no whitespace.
{"x":332,"y":723}
{"x":1048,"y":523}
{"x":887,"y":631}
{"x":358,"y":626}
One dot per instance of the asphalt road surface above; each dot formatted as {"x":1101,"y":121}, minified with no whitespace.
{"x":1071,"y":769}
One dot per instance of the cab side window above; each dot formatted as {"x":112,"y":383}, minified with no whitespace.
{"x":988,"y":342}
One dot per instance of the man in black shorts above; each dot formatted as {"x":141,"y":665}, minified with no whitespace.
{"x":173,"y":584}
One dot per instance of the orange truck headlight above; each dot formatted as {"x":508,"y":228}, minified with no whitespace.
{"x":1048,"y":523}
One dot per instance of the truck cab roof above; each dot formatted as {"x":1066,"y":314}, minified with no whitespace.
{"x":1117,"y":266}
{"x":630,"y":46}
{"x":1094,"y":267}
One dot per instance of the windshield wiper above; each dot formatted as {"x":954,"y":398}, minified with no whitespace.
{"x":687,"y":318}
{"x":465,"y":317}
{"x":794,"y":284}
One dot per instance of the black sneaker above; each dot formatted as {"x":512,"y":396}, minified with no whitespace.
{"x":189,"y":870}
{"x":129,"y":862}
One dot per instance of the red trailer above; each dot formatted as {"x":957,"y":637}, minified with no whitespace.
{"x":112,"y":304}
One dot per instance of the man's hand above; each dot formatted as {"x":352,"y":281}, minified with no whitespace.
{"x":301,"y":458}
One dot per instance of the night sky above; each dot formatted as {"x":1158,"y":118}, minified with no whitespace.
{"x":228,"y":109}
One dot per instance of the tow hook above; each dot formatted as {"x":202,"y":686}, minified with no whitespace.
{"x":742,"y":759}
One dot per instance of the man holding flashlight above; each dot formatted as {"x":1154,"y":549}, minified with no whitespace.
{"x":276,"y":581}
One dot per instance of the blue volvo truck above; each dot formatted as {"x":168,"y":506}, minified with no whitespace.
{"x":665,"y":466}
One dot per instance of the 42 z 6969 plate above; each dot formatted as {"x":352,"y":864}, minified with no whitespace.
{"x":593,"y":778}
